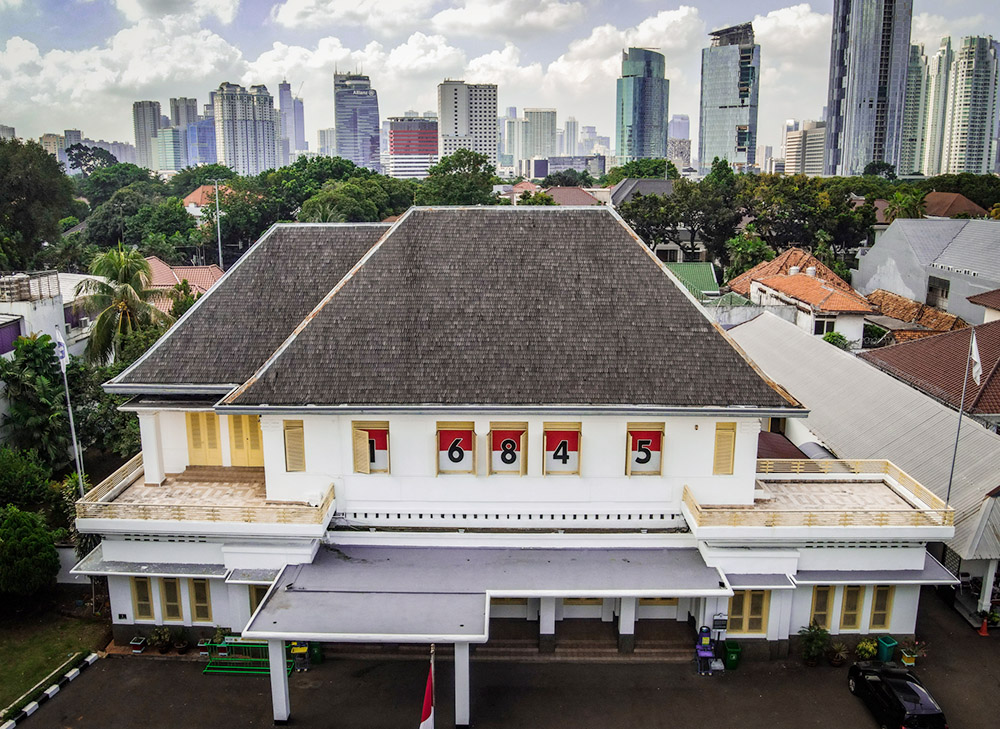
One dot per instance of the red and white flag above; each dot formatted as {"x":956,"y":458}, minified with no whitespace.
{"x":427,"y":715}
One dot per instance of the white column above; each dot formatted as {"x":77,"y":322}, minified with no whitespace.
{"x":986,"y":593}
{"x":462,"y":689}
{"x":626,"y":625}
{"x":547,"y":625}
{"x":279,"y":681}
{"x":224,"y":445}
{"x":152,"y":447}
{"x":607,"y":610}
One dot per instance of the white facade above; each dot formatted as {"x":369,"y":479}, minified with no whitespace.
{"x":804,"y":149}
{"x":467,"y":118}
{"x":247,"y":129}
{"x":807,"y":318}
{"x":145,"y":122}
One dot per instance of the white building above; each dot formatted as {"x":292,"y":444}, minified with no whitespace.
{"x":247,"y":129}
{"x":145,"y":124}
{"x":540,"y":133}
{"x":171,"y":149}
{"x":804,"y":149}
{"x":538,"y":470}
{"x":467,"y":118}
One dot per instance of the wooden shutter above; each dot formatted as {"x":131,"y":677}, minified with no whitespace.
{"x":822,"y":595}
{"x":524,"y":452}
{"x":850,"y":614}
{"x":629,"y":443}
{"x":201,"y":604}
{"x":725,"y":448}
{"x":213,"y":450}
{"x":295,"y":447}
{"x":237,"y":441}
{"x":171,"y":592}
{"x":362,"y":458}
{"x":254,"y":441}
{"x":142,"y":598}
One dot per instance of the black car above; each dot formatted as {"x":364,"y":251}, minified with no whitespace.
{"x":895,"y":696}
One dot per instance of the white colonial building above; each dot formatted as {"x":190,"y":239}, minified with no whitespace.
{"x":405,"y":433}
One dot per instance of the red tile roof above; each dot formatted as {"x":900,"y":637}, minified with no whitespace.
{"x":203,"y":195}
{"x":571,"y":196}
{"x":989,"y":299}
{"x":936,"y":365}
{"x":936,"y":205}
{"x":165,"y":276}
{"x":781,"y":264}
{"x":908,"y":310}
{"x":525,"y":185}
{"x":818,"y":293}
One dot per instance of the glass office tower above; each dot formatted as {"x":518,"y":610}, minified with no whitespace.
{"x":730,"y":83}
{"x":355,"y":108}
{"x":643,"y":97}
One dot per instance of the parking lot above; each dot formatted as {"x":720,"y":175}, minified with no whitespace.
{"x":962,"y":671}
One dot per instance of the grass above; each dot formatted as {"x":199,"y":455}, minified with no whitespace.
{"x":33,"y":646}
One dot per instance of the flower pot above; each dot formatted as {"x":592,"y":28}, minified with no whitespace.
{"x":837,"y":661}
{"x":138,"y":644}
{"x":181,"y":647}
{"x":203,"y":646}
{"x":909,"y":659}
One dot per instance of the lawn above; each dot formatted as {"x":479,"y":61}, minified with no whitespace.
{"x":31,"y":647}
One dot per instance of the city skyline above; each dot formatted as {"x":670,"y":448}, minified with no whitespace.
{"x":559,"y":54}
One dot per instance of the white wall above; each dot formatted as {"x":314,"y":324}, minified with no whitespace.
{"x":120,"y":591}
{"x":852,"y":326}
{"x":902,"y":621}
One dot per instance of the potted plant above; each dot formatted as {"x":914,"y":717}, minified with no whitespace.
{"x":219,"y":639}
{"x":138,"y":644}
{"x":159,"y":638}
{"x":866,"y":649}
{"x":815,"y":642}
{"x":912,"y":649}
{"x":838,"y":653}
{"x":179,"y":641}
{"x":994,"y":617}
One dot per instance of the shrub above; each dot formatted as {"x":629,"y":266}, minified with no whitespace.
{"x":29,"y":562}
{"x":837,"y":340}
{"x":24,"y":479}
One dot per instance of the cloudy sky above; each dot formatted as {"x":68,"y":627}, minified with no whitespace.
{"x":81,"y":63}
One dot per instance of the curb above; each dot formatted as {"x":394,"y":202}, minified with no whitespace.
{"x":48,"y":693}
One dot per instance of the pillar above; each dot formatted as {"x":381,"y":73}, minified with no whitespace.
{"x":462,"y":689}
{"x":607,"y":610}
{"x":986,"y":594}
{"x":152,"y":447}
{"x":626,"y":625}
{"x":279,"y":681}
{"x":547,"y":625}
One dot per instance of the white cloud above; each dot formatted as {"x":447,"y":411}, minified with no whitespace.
{"x":383,"y":16}
{"x":4,"y":4}
{"x":929,"y":29}
{"x":133,"y":10}
{"x":507,"y":17}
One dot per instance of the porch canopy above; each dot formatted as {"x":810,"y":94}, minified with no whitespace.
{"x":441,"y":594}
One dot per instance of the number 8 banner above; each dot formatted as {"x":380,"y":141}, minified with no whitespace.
{"x":562,"y":451}
{"x":506,"y":451}
{"x":456,"y":451}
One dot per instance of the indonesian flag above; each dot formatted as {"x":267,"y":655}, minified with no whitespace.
{"x":378,"y":450}
{"x":427,"y":715}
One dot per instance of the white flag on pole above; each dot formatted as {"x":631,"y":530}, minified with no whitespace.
{"x":62,"y":352}
{"x":977,"y":363}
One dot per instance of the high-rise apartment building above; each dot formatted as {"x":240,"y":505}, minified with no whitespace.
{"x":730,"y":85}
{"x":52,"y":143}
{"x":183,"y":111}
{"x":467,"y":118}
{"x":71,"y":137}
{"x":355,"y":108}
{"x":642,"y":99}
{"x":869,"y":56}
{"x":804,"y":149}
{"x":145,"y":123}
{"x":679,"y":127}
{"x":540,"y":133}
{"x":201,"y":143}
{"x":914,"y":130}
{"x":515,"y":139}
{"x":971,"y":122}
{"x":247,"y":129}
{"x":572,"y":136}
{"x":412,"y":147}
{"x":790,"y":125}
{"x":171,"y":149}
{"x":7,"y":132}
{"x":122,"y":151}
{"x":326,"y":140}
{"x":936,"y":106}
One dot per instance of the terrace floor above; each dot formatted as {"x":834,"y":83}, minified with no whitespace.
{"x":829,"y":495}
{"x":201,"y":486}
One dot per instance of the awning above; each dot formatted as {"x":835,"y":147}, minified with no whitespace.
{"x":761,"y":582}
{"x":428,"y":594}
{"x":240,"y":576}
{"x":933,"y":573}
{"x":95,"y":565}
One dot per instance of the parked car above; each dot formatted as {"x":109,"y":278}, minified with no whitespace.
{"x":895,"y":696}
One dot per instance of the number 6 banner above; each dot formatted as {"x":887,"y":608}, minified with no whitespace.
{"x":562,"y":450}
{"x":456,"y":448}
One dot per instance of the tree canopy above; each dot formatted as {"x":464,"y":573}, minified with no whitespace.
{"x":641,"y":168}
{"x":87,"y":159}
{"x":28,"y":560}
{"x":191,"y":178}
{"x":463,"y":178}
{"x":569,"y":178}
{"x":104,"y":182}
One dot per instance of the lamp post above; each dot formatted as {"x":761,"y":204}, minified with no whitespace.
{"x":218,"y":224}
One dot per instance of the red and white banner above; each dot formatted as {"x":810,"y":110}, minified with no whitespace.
{"x":505,"y":451}
{"x":562,"y":451}
{"x":455,"y":451}
{"x":645,"y":451}
{"x":378,"y":449}
{"x":427,"y":715}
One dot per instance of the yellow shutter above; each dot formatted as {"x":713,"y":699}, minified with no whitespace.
{"x":237,"y":441}
{"x":725,"y":448}
{"x":255,"y":444}
{"x":142,"y":599}
{"x":196,"y":447}
{"x":362,"y":457}
{"x":295,"y":448}
{"x":524,"y":451}
{"x":201,"y":602}
{"x":212,"y":435}
{"x":629,"y":443}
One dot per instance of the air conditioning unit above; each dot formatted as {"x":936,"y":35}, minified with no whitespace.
{"x":84,"y":322}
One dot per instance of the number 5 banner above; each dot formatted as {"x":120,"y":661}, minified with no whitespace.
{"x":645,"y":452}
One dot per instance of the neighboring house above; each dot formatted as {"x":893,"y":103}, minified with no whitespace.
{"x":571,"y":196}
{"x":990,"y":301}
{"x":165,"y":276}
{"x":628,"y":188}
{"x":202,"y":196}
{"x":937,"y":366}
{"x":697,"y":277}
{"x":857,"y":409}
{"x":424,"y":439}
{"x":938,"y":262}
{"x":783,"y":264}
{"x":905,"y":319}
{"x":820,"y":307}
{"x":936,"y":205}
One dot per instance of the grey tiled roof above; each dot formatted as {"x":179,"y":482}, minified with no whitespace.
{"x":927,"y":238}
{"x":510,"y":306}
{"x":236,"y":326}
{"x":627,"y":188}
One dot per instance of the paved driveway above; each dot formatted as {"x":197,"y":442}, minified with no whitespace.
{"x":963,"y":671}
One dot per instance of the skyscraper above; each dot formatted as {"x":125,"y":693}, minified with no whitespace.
{"x":869,"y":56}
{"x":413,"y":145}
{"x":643,"y":95}
{"x":72,"y":136}
{"x":299,"y":124}
{"x":355,"y":108}
{"x":326,"y":139}
{"x":183,"y":111}
{"x":145,"y":123}
{"x":7,"y":132}
{"x":572,"y":130}
{"x":804,"y":149}
{"x":201,"y":143}
{"x":790,"y":125}
{"x":467,"y":118}
{"x":679,"y":127}
{"x":970,"y":126}
{"x":287,"y":114}
{"x":247,"y":128}
{"x":171,"y":149}
{"x":515,"y":136}
{"x":540,"y":138}
{"x":730,"y":83}
{"x":936,"y":110}
{"x":913,"y":135}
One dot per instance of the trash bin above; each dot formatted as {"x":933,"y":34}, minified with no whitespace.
{"x":733,"y":651}
{"x":315,"y":653}
{"x":300,"y":656}
{"x":886,"y":648}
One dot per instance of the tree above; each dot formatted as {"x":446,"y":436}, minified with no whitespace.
{"x":463,"y":178}
{"x":905,"y":204}
{"x":191,"y":178}
{"x":880,"y":168}
{"x":654,"y":218}
{"x":29,"y":562}
{"x":641,"y":168}
{"x":569,"y":178}
{"x":72,"y":254}
{"x":994,"y":213}
{"x":109,"y":223}
{"x":538,"y":198}
{"x":35,"y":195}
{"x":745,"y":252}
{"x":984,"y":190}
{"x":87,"y":159}
{"x":24,"y":479}
{"x":104,"y":182}
{"x":122,"y":300}
{"x":183,"y":297}
{"x":36,"y":417}
{"x":166,"y":217}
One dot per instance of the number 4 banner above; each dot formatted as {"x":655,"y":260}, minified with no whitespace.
{"x":456,"y":450}
{"x":562,"y":451}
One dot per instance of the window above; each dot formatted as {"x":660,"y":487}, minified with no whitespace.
{"x":245,"y":441}
{"x":257,"y":593}
{"x":509,"y":448}
{"x":850,"y":611}
{"x":822,"y":600}
{"x":295,"y":446}
{"x":201,"y":605}
{"x":170,"y":597}
{"x":371,"y":447}
{"x":881,"y":607}
{"x":748,"y":611}
{"x":725,"y":448}
{"x":456,"y":447}
{"x":937,"y":292}
{"x":644,"y":449}
{"x":561,"y":445}
{"x":203,"y":439}
{"x":142,"y":599}
{"x":823,"y":325}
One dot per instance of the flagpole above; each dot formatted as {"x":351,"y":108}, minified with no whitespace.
{"x":434,"y":683}
{"x":961,"y":407}
{"x":62,"y":354}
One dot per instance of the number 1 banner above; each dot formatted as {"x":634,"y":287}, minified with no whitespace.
{"x":456,"y":451}
{"x":562,"y":451}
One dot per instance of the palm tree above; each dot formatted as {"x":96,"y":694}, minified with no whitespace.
{"x":123,"y":299}
{"x":905,"y":205}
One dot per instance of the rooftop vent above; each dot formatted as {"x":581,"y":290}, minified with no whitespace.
{"x":811,"y":271}
{"x":793,"y":270}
